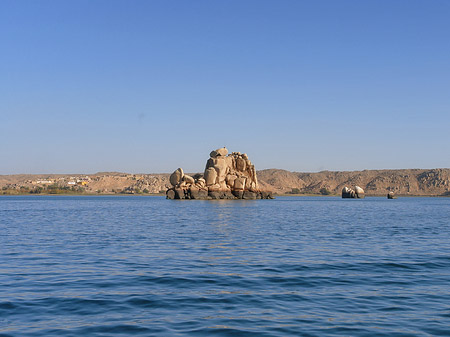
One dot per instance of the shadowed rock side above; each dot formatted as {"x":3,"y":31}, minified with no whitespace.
{"x":226,"y":176}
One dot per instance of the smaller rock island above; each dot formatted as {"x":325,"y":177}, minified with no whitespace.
{"x":226,"y":176}
{"x":391,"y":195}
{"x":357,"y":193}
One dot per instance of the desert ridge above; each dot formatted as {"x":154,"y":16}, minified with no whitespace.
{"x":402,"y":182}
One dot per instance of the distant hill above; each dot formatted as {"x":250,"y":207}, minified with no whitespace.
{"x":374,"y":182}
{"x":426,"y":182}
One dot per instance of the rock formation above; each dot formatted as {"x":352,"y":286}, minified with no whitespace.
{"x":357,"y":193}
{"x":226,"y":176}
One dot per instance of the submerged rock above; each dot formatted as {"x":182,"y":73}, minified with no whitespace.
{"x":391,"y":195}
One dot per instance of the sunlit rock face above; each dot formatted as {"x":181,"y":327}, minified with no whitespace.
{"x":226,"y":176}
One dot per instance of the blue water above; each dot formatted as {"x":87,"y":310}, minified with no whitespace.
{"x":146,"y":266}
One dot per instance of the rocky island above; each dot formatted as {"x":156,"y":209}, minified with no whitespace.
{"x":226,"y":176}
{"x":357,"y":193}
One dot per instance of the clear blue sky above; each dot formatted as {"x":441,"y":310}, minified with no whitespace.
{"x":148,"y":86}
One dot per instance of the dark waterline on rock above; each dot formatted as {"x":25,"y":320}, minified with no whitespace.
{"x":294,"y":266}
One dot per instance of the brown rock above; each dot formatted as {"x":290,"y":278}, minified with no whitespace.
{"x":202,"y":194}
{"x":230,"y":179}
{"x":240,"y":164}
{"x":222,"y":152}
{"x":238,"y":194}
{"x":215,"y":195}
{"x":266,"y":195}
{"x":188,"y":179}
{"x":179,"y":193}
{"x":210,"y":176}
{"x":170,"y":194}
{"x":176,"y":176}
{"x":249,"y":195}
{"x":210,"y":163}
{"x":222,"y":168}
{"x":201,"y":183}
{"x":239,"y":183}
{"x":194,"y":193}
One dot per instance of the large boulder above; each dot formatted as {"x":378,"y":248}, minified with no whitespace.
{"x":240,"y":164}
{"x":238,"y":194}
{"x":200,"y":183}
{"x":359,"y":192}
{"x":222,"y":152}
{"x":188,"y":179}
{"x":266,"y":195}
{"x":346,"y":192}
{"x":239,"y":183}
{"x":180,"y":193}
{"x":230,"y":180}
{"x":170,"y":194}
{"x":222,"y":168}
{"x":249,"y":195}
{"x":219,"y":153}
{"x":196,"y":193}
{"x":215,"y":195}
{"x":176,"y":177}
{"x":210,"y":176}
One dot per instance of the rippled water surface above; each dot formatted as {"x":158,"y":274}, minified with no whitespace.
{"x":146,"y":266}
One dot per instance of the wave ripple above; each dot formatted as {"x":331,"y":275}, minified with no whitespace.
{"x":135,"y":266}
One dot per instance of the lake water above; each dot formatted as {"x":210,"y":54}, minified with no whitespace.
{"x":294,"y":266}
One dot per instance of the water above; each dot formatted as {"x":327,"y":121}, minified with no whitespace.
{"x":146,"y":266}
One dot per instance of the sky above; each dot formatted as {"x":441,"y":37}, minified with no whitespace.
{"x":150,"y":86}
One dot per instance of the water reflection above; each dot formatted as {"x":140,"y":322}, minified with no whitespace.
{"x":228,"y":222}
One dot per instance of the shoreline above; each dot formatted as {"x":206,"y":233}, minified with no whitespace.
{"x":163,"y":195}
{"x":405,"y":182}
